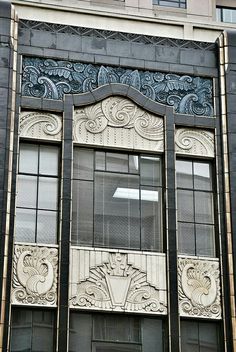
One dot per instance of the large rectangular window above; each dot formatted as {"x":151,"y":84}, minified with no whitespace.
{"x":195,"y":208}
{"x":32,"y":330}
{"x":115,"y":333}
{"x":117,"y":200}
{"x":37,"y":198}
{"x":199,"y":337}
{"x":171,"y":3}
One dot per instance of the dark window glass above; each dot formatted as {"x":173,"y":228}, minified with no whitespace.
{"x":199,"y":337}
{"x":114,"y":333}
{"x":119,"y":204}
{"x":195,"y":208}
{"x":37,"y":196}
{"x":32,"y":330}
{"x":171,"y":3}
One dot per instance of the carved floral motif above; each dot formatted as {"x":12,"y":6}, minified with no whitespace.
{"x":118,"y":112}
{"x":194,"y":142}
{"x":34,"y":275}
{"x":52,"y":79}
{"x":199,"y":288}
{"x":40,"y":125}
{"x":118,"y":285}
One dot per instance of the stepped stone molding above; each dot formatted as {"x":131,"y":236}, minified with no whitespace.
{"x":194,"y":142}
{"x":199,"y":288}
{"x":51,"y":79}
{"x":40,"y":125}
{"x":117,"y":121}
{"x":126,"y":282}
{"x":34,"y":275}
{"x":112,"y":35}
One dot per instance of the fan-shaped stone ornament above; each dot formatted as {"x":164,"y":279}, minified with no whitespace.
{"x":40,"y":125}
{"x":194,"y":142}
{"x":118,"y":281}
{"x":118,"y":122}
{"x":34,"y":275}
{"x":199,"y":288}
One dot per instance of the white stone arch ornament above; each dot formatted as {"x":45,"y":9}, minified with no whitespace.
{"x":118,"y":122}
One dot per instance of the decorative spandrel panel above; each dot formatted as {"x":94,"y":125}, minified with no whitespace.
{"x":199,"y":288}
{"x":51,"y":79}
{"x":193,"y":141}
{"x":124,"y":282}
{"x":40,"y":125}
{"x":35,"y":271}
{"x":118,"y":122}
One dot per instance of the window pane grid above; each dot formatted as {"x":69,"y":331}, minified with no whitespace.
{"x":44,"y":194}
{"x":195,"y":208}
{"x":226,"y":14}
{"x":114,"y":201}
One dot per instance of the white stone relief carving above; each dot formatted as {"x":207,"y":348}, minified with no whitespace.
{"x":34,"y":275}
{"x":194,"y":142}
{"x":199,"y":288}
{"x":40,"y":125}
{"x":118,"y":122}
{"x":118,"y":281}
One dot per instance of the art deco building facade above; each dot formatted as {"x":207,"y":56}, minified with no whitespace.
{"x":117,"y":175}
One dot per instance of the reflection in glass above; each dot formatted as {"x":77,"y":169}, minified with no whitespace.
{"x":47,"y":227}
{"x":48,"y":160}
{"x":28,"y":159}
{"x":27,"y":191}
{"x":25,"y":225}
{"x":47,"y":195}
{"x":116,"y":220}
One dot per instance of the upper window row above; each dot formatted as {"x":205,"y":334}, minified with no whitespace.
{"x":171,"y":3}
{"x":225,"y":14}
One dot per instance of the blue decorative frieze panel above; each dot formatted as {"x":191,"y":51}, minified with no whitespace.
{"x":51,"y":79}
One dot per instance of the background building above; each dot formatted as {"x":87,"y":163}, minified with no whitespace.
{"x":117,"y":168}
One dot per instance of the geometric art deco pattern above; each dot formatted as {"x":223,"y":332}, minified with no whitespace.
{"x":123,"y":282}
{"x":35,"y":271}
{"x":199,"y":288}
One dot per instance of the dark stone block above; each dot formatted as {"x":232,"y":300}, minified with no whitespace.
{"x":43,"y":39}
{"x":156,"y":66}
{"x":5,"y":57}
{"x":84,"y":99}
{"x":52,"y":105}
{"x":82,"y":57}
{"x":94,"y":45}
{"x":141,"y":51}
{"x":182,"y":69}
{"x":5,"y":9}
{"x":102,"y":92}
{"x":135,"y":95}
{"x":119,"y":89}
{"x":230,"y":37}
{"x":155,"y":108}
{"x":133,"y":63}
{"x":198,"y":57}
{"x":5,"y":26}
{"x":31,"y":103}
{"x":118,"y":48}
{"x":24,"y":36}
{"x":55,"y":53}
{"x":106,"y":60}
{"x":168,"y":54}
{"x":68,"y":42}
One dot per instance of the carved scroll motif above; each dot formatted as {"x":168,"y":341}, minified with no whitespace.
{"x":40,"y":125}
{"x":199,"y":288}
{"x":35,"y":275}
{"x":194,"y":142}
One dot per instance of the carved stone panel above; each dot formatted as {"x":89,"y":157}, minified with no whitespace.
{"x":109,"y":280}
{"x":118,"y":122}
{"x":199,"y":288}
{"x":194,"y":142}
{"x":40,"y":125}
{"x":34,"y":275}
